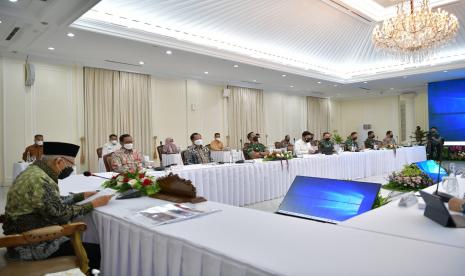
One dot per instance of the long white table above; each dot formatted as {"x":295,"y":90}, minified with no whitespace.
{"x":239,"y":241}
{"x":409,"y":222}
{"x":245,"y":184}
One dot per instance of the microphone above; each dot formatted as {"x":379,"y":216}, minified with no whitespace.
{"x":87,"y":174}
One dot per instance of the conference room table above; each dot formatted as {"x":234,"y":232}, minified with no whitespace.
{"x":241,"y":241}
{"x":409,"y":222}
{"x":227,"y":156}
{"x":250,"y":183}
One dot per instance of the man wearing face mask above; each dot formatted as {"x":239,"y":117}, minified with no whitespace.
{"x":371,"y":142}
{"x":326,"y":145}
{"x":111,"y":146}
{"x":434,"y":144}
{"x":351,"y":142}
{"x":255,"y":149}
{"x":126,"y":158}
{"x":34,"y":152}
{"x":305,"y":145}
{"x":197,"y":153}
{"x":34,"y":201}
{"x":216,"y":144}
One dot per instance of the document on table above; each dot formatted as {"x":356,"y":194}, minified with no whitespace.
{"x":168,"y":213}
{"x":106,"y":191}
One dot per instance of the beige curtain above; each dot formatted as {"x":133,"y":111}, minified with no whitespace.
{"x":245,"y":113}
{"x":317,"y":116}
{"x":116,"y":102}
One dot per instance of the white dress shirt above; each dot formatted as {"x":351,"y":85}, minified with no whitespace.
{"x":110,"y":148}
{"x":302,"y":147}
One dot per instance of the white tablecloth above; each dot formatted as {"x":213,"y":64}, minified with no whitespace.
{"x":244,"y":184}
{"x":227,"y":156}
{"x":170,"y":159}
{"x":19,"y":167}
{"x":409,"y":222}
{"x":240,"y":241}
{"x":101,"y":165}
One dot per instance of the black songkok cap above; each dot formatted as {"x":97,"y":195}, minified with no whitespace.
{"x":59,"y":148}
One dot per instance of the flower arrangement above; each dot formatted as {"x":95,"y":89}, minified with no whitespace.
{"x":456,"y":153}
{"x":411,"y":178}
{"x":274,"y":156}
{"x":138,"y":180}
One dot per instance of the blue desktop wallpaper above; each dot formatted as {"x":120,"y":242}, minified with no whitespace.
{"x":328,"y":199}
{"x":431,"y":168}
{"x":446,"y":102}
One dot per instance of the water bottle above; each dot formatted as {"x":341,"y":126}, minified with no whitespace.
{"x":452,"y":169}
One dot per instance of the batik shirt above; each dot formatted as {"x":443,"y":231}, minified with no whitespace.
{"x":34,"y":201}
{"x":124,"y":160}
{"x":198,"y":155}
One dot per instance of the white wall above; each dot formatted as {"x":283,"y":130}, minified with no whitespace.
{"x":382,"y":113}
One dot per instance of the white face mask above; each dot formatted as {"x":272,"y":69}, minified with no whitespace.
{"x":217,"y":138}
{"x":128,"y":146}
{"x":40,"y":143}
{"x":114,"y":142}
{"x":198,"y":142}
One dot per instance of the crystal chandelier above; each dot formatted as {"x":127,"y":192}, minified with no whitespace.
{"x":415,"y":31}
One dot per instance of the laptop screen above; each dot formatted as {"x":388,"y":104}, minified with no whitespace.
{"x":431,"y":168}
{"x":328,"y":200}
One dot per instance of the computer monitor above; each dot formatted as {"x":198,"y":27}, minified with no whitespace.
{"x":328,"y":200}
{"x":431,"y":168}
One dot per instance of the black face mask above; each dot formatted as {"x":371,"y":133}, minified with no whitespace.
{"x":308,"y":140}
{"x":354,"y":138}
{"x":255,"y":139}
{"x":65,"y":173}
{"x":327,"y":139}
{"x":391,"y":135}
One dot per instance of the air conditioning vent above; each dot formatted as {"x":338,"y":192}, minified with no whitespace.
{"x":12,"y":33}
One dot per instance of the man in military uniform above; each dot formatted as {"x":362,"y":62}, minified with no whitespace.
{"x":435,"y":142}
{"x":370,"y":142}
{"x":326,"y":145}
{"x":351,"y":142}
{"x":255,"y":149}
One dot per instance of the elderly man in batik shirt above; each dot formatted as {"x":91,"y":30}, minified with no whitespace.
{"x":34,"y":201}
{"x":126,"y":158}
{"x":197,"y":153}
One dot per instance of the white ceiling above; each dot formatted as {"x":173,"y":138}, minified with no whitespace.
{"x":312,"y":28}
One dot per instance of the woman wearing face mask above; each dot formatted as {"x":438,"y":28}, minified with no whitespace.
{"x":126,"y":158}
{"x":197,"y":153}
{"x":169,"y":147}
{"x":26,"y":210}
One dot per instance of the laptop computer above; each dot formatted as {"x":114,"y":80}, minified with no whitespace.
{"x":328,"y":200}
{"x":437,"y":211}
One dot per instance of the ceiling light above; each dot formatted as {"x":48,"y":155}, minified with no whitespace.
{"x":445,"y":71}
{"x":365,"y":82}
{"x":70,"y":34}
{"x":0,"y":21}
{"x":391,"y":88}
{"x":283,"y":76}
{"x":291,"y":86}
{"x":254,"y":80}
{"x":51,"y":48}
{"x":319,"y":82}
{"x":415,"y":29}
{"x":336,"y":85}
{"x":141,"y":62}
{"x":206,"y":72}
{"x":235,"y":65}
{"x":14,"y":1}
{"x":168,"y":52}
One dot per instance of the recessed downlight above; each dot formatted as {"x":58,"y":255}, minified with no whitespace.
{"x":168,"y":52}
{"x":141,"y":62}
{"x":206,"y":72}
{"x":236,"y":66}
{"x":51,"y":48}
{"x":365,"y":82}
{"x":13,"y":1}
{"x":70,"y":34}
{"x":291,"y":86}
{"x":283,"y":75}
{"x":319,"y":82}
